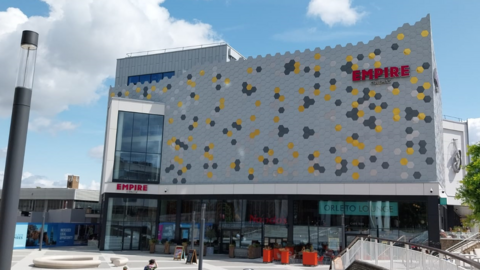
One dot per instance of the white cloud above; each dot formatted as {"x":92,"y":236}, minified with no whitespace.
{"x":94,"y":185}
{"x":42,"y":124}
{"x":334,"y":11}
{"x":96,"y":152}
{"x":3,"y":152}
{"x":79,"y":43}
{"x":474,"y":130}
{"x":30,"y":180}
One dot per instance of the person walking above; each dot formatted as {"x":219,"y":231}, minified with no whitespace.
{"x":152,"y":265}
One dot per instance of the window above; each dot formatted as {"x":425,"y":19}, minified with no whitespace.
{"x":168,"y":74}
{"x":138,"y":148}
{"x":149,"y":78}
{"x":133,"y":79}
{"x":145,"y":78}
{"x":157,"y":77}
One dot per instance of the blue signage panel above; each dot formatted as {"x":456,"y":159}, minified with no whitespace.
{"x":20,"y":237}
{"x":65,"y":234}
{"x":59,"y":234}
{"x":377,"y":208}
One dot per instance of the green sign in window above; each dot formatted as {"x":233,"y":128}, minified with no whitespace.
{"x":443,"y":201}
{"x":358,"y":208}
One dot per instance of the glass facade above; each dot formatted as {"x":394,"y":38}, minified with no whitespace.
{"x":138,"y":148}
{"x":320,"y":223}
{"x":325,"y":224}
{"x":130,"y":223}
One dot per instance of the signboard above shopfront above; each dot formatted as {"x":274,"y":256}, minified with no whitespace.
{"x":380,"y":73}
{"x":358,"y":208}
{"x":132,"y":187}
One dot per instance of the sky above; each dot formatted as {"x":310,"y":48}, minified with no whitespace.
{"x":80,"y":41}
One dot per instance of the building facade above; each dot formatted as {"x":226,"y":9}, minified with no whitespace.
{"x":307,"y":147}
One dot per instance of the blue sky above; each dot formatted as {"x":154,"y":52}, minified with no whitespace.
{"x":81,"y":42}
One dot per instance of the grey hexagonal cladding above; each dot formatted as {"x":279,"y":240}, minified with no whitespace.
{"x":327,"y":120}
{"x":307,"y":102}
{"x":394,"y":46}
{"x":282,"y":131}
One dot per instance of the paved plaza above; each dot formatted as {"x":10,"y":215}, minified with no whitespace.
{"x":23,"y":260}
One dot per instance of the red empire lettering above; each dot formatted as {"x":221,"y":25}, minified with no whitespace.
{"x":393,"y":72}
{"x":139,"y":187}
{"x":124,"y":187}
{"x":385,"y":71}
{"x":356,"y":75}
{"x":145,"y":187}
{"x":378,"y":73}
{"x":119,"y":186}
{"x":131,"y":187}
{"x":366,"y":73}
{"x":405,"y":71}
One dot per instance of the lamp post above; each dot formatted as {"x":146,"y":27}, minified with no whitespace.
{"x":17,"y":140}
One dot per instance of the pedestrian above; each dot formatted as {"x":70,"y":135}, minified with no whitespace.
{"x":152,"y":265}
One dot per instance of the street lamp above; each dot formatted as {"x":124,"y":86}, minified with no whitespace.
{"x":12,"y":178}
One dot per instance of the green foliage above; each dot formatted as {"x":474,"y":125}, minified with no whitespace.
{"x":469,"y":192}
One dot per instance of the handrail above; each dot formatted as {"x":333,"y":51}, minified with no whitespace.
{"x":400,"y":238}
{"x":463,"y":242}
{"x":445,"y":253}
{"x":176,"y":49}
{"x":355,"y":240}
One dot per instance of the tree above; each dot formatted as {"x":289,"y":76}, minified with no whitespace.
{"x":469,"y":192}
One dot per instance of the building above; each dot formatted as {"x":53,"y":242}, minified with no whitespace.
{"x":33,"y":201}
{"x":73,"y":181}
{"x":316,"y":146}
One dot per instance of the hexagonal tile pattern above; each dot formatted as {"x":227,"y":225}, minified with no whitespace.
{"x":317,"y":106}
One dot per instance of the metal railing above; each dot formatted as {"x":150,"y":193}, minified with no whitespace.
{"x":382,"y":252}
{"x":453,"y":118}
{"x":464,"y":244}
{"x":176,"y":49}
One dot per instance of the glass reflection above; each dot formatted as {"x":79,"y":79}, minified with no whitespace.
{"x":138,"y":148}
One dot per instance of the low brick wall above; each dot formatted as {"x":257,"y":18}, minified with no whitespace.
{"x":361,"y":265}
{"x":448,"y":242}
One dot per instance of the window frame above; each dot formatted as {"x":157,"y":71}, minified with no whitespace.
{"x":114,"y":180}
{"x":169,"y":75}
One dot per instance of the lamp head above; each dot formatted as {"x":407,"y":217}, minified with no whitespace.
{"x":29,"y":40}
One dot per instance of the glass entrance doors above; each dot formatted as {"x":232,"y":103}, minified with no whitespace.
{"x":131,"y":238}
{"x":230,"y":237}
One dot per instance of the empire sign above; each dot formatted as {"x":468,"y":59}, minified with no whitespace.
{"x":381,"y":75}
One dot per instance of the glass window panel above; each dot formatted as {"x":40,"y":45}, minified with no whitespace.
{"x":133,"y":79}
{"x":145,"y":78}
{"x":140,"y":132}
{"x":152,"y":167}
{"x":124,"y":131}
{"x":137,"y":167}
{"x":157,"y":77}
{"x":168,"y":213}
{"x":168,"y":74}
{"x":121,"y":167}
{"x":137,"y":135}
{"x":234,"y":212}
{"x":155,"y":133}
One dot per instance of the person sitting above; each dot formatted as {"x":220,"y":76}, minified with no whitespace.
{"x":152,"y":265}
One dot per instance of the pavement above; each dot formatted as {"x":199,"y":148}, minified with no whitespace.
{"x":22,"y":259}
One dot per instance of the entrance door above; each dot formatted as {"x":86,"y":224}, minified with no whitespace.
{"x":131,"y":238}
{"x":230,"y":237}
